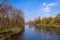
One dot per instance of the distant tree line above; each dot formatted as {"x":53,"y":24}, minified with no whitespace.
{"x":46,"y":20}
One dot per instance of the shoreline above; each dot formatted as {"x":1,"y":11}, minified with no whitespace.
{"x":47,"y":25}
{"x":7,"y":35}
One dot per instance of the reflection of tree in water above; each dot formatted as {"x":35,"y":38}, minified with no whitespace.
{"x":45,"y":29}
{"x":58,"y":34}
{"x":37,"y":29}
{"x":30,"y":26}
{"x":18,"y":36}
{"x":50,"y":30}
{"x":47,"y":33}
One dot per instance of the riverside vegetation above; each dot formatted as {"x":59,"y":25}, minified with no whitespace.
{"x":11,"y":20}
{"x":46,"y":21}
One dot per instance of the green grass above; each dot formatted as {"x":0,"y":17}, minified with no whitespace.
{"x":15,"y":28}
{"x":55,"y":25}
{"x":4,"y":30}
{"x":8,"y":32}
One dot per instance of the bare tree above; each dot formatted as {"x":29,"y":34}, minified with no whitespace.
{"x":57,"y":19}
{"x":17,"y":17}
{"x":10,"y":16}
{"x":4,"y":13}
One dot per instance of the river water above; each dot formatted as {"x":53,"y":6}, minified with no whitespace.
{"x":35,"y":33}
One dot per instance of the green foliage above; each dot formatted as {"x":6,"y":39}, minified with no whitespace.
{"x":52,"y":22}
{"x":44,"y":21}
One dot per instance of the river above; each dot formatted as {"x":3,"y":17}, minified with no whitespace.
{"x":35,"y":33}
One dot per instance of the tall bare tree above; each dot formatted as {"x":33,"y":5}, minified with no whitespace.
{"x":9,"y":15}
{"x":17,"y":17}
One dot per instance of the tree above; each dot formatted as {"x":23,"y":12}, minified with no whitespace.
{"x":30,"y":23}
{"x":10,"y":16}
{"x":49,"y":19}
{"x":52,"y":22}
{"x":44,"y":21}
{"x":17,"y":17}
{"x":37,"y":20}
{"x":4,"y":13}
{"x":57,"y":19}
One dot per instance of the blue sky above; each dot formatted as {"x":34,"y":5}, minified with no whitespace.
{"x":35,"y":8}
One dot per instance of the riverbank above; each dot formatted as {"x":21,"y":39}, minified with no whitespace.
{"x":8,"y":32}
{"x":47,"y":25}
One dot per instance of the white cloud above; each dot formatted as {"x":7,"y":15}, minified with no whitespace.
{"x":44,"y":4}
{"x":51,"y":4}
{"x":46,"y":9}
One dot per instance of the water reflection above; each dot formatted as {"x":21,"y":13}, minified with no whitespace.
{"x":58,"y":34}
{"x":46,"y":33}
{"x":37,"y":33}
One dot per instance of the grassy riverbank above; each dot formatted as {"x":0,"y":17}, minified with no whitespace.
{"x":47,"y":25}
{"x":8,"y":32}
